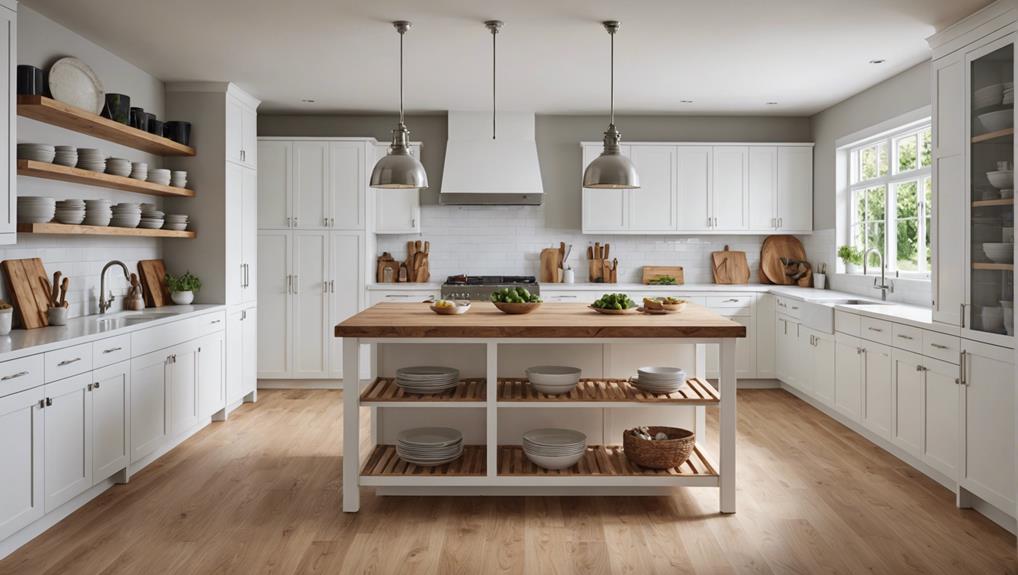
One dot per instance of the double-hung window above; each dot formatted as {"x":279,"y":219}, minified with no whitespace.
{"x":890,"y":187}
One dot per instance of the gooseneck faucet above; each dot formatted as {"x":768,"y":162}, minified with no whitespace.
{"x":104,"y":303}
{"x":884,"y":287}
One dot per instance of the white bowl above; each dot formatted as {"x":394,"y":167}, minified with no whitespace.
{"x":554,"y":375}
{"x":1001,"y":179}
{"x":554,"y":462}
{"x":1000,"y":253}
{"x":992,"y":318}
{"x":999,"y":120}
{"x":988,"y":96}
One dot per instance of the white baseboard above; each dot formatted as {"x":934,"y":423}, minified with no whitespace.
{"x":300,"y":384}
{"x":509,"y":491}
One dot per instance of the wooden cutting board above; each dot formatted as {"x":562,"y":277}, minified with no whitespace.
{"x":153,"y":281}
{"x":772,"y":271}
{"x":29,"y":289}
{"x":651,"y":272}
{"x":551,"y":263}
{"x":730,"y":267}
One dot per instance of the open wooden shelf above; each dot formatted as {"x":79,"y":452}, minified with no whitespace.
{"x":600,"y":460}
{"x":992,"y":266}
{"x":1005,"y":133}
{"x":991,"y":203}
{"x":90,"y":178}
{"x":75,"y":119}
{"x":383,"y":462}
{"x":81,"y":230}
{"x":384,"y":392}
{"x":615,"y":391}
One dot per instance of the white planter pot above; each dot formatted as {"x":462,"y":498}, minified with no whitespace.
{"x":6,"y":315}
{"x":853,"y":269}
{"x":182,"y":297}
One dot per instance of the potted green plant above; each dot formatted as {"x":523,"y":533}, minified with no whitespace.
{"x":182,"y":287}
{"x":852,"y":258}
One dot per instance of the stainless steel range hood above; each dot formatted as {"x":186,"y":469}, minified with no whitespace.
{"x":480,"y":170}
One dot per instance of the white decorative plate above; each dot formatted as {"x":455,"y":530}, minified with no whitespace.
{"x":72,"y":82}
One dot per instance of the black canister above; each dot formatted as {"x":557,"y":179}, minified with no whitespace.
{"x":155,"y":127}
{"x":179,"y":132}
{"x":139,"y":119}
{"x":118,"y":108}
{"x":30,"y":80}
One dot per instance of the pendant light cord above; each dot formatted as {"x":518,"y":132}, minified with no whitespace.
{"x":401,"y":77}
{"x":494,"y":63}
{"x":612,"y":75}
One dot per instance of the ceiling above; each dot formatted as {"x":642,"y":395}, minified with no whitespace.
{"x":726,"y":56}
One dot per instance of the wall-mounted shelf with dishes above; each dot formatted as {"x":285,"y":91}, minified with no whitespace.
{"x":75,"y":119}
{"x":89,"y":178}
{"x":81,"y":230}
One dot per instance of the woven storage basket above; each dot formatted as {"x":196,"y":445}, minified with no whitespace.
{"x":659,"y":454}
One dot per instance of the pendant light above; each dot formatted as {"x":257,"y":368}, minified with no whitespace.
{"x":399,"y":169}
{"x":494,"y":26}
{"x":611,"y":170}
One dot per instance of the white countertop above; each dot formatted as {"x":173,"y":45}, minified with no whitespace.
{"x":24,"y":342}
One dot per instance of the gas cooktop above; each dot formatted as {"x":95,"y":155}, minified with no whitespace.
{"x":479,"y":288}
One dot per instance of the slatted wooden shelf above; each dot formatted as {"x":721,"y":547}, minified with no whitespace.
{"x":90,"y":178}
{"x":383,"y":462}
{"x":75,"y":119}
{"x":600,"y":460}
{"x":81,"y":230}
{"x":1005,"y":133}
{"x":991,"y":203}
{"x":384,"y":391}
{"x":992,"y":266}
{"x":694,"y":392}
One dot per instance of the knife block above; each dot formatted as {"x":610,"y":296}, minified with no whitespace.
{"x":600,"y":271}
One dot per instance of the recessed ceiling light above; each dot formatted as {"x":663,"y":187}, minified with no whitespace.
{"x":772,"y":103}
{"x":308,"y":100}
{"x":878,"y":61}
{"x":685,"y":101}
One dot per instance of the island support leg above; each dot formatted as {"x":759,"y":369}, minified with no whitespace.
{"x":351,"y":424}
{"x":727,"y":425}
{"x":491,"y":409}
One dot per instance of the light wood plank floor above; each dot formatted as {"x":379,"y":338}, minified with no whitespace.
{"x":261,"y":494}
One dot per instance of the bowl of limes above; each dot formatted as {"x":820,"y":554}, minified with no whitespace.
{"x":515,"y":300}
{"x":614,"y":304}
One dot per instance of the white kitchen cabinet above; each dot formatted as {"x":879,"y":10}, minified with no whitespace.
{"x":604,"y":210}
{"x":311,"y":190}
{"x":276,"y":281}
{"x":346,"y":295}
{"x":397,"y":211}
{"x":242,"y":347}
{"x":8,"y":123}
{"x":989,"y":423}
{"x":795,"y":189}
{"x":21,"y":450}
{"x":183,"y":387}
{"x":68,"y":439}
{"x":941,"y":424}
{"x":745,"y":351}
{"x":275,"y":182}
{"x":730,"y":189}
{"x":347,"y":185}
{"x":877,"y":388}
{"x":848,"y":385}
{"x":310,"y":297}
{"x":653,"y":208}
{"x":241,"y":235}
{"x":819,"y":364}
{"x":111,"y":419}
{"x":766,"y":351}
{"x":211,"y":375}
{"x":241,"y":132}
{"x":694,"y":174}
{"x":908,"y":383}
{"x":763,"y":188}
{"x":149,"y":398}
{"x":790,"y":343}
{"x":249,"y":370}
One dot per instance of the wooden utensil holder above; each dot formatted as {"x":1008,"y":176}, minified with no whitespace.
{"x":602,"y":271}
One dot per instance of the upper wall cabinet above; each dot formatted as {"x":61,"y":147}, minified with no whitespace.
{"x":397,"y":211}
{"x":706,"y":189}
{"x":241,"y":132}
{"x":8,"y":110}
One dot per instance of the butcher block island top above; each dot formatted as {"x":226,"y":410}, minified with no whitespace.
{"x":551,"y":320}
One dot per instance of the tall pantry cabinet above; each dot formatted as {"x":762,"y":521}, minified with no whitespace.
{"x":225,"y":253}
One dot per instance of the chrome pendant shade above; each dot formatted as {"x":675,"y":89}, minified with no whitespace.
{"x":611,"y":170}
{"x":399,"y":169}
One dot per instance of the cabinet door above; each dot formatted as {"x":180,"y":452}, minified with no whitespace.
{"x":947,"y":237}
{"x":693,"y":181}
{"x":848,"y":383}
{"x":235,"y":356}
{"x":795,"y":188}
{"x":311,"y":274}
{"x":249,"y":136}
{"x":233,"y":234}
{"x":8,"y":187}
{"x":801,"y":346}
{"x":763,"y":183}
{"x":988,"y":469}
{"x":941,"y":429}
{"x":397,"y":211}
{"x":148,"y":403}
{"x":653,"y":206}
{"x":908,"y":386}
{"x":68,"y":443}
{"x":781,"y":349}
{"x":730,"y":188}
{"x":766,"y":352}
{"x":249,"y":367}
{"x":345,"y":291}
{"x":234,"y":130}
{"x":274,"y":182}
{"x":211,"y":383}
{"x":184,"y":388}
{"x":111,"y":409}
{"x":310,"y":184}
{"x":877,"y":389}
{"x":21,"y":450}
{"x":824,"y":368}
{"x":745,"y":352}
{"x":604,"y":210}
{"x":275,"y":280}
{"x":347,"y":185}
{"x":249,"y":235}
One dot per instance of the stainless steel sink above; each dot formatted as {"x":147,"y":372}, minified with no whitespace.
{"x":117,"y":321}
{"x":857,"y":302}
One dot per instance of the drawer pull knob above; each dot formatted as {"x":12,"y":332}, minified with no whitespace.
{"x":112,"y":349}
{"x":68,"y":361}
{"x":14,"y":375}
{"x":938,"y":346}
{"x":903,"y":336}
{"x":215,"y":321}
{"x":876,"y":329}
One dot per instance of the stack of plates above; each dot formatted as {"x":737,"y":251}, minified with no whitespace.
{"x":429,"y":446}
{"x":178,"y":179}
{"x":118,"y":167}
{"x":91,"y":159}
{"x":36,"y":152}
{"x":36,"y":209}
{"x":66,"y":156}
{"x":660,"y":379}
{"x":553,"y":379}
{"x":126,"y":215}
{"x":98,"y":212}
{"x":151,"y":218}
{"x":70,"y":211}
{"x":554,"y":448}
{"x":427,"y":379}
{"x":139,"y":170}
{"x":159,"y":176}
{"x":176,"y":222}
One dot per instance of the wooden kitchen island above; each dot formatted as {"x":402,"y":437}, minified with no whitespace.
{"x":494,"y":465}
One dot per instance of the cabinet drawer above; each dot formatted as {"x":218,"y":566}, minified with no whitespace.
{"x":159,"y":337}
{"x":111,"y":350}
{"x":401,"y":297}
{"x":562,"y":297}
{"x":845,"y":322}
{"x":742,"y":302}
{"x":941,"y":346}
{"x":789,"y":306}
{"x":876,"y":330}
{"x":21,"y":374}
{"x":68,"y":361}
{"x":907,"y":337}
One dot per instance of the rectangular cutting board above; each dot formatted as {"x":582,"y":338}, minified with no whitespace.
{"x":29,"y":289}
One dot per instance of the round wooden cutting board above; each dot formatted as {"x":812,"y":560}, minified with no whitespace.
{"x":772,"y":271}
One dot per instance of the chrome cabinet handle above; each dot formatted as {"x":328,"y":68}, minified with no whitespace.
{"x":413,"y":223}
{"x":860,"y":350}
{"x":14,"y":375}
{"x":112,"y":349}
{"x":876,"y":329}
{"x":325,"y":222}
{"x":963,"y":378}
{"x":903,"y":336}
{"x":97,"y":385}
{"x":49,"y":401}
{"x":920,"y":368}
{"x":295,"y":221}
{"x":708,"y":222}
{"x":332,"y":286}
{"x":289,"y":284}
{"x":733,"y":300}
{"x":939,"y":346}
{"x":242,"y":275}
{"x":962,"y":315}
{"x":289,"y":224}
{"x":215,"y":321}
{"x":68,"y":361}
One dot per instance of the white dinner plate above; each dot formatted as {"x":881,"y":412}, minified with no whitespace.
{"x":71,"y":81}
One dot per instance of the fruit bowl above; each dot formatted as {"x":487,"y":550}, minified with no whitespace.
{"x":516,"y":308}
{"x":453,"y":308}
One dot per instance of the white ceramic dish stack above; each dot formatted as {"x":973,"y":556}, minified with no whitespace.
{"x":176,"y":222}
{"x":553,"y":379}
{"x":91,"y":159}
{"x":1000,"y":253}
{"x":660,"y":380}
{"x":118,"y":167}
{"x":178,"y":179}
{"x":999,"y":120}
{"x":427,"y":379}
{"x":126,"y":215}
{"x":992,"y":318}
{"x":66,"y":156}
{"x":429,"y":446}
{"x":151,"y":218}
{"x":159,"y":176}
{"x":37,"y":152}
{"x":36,"y":209}
{"x":1001,"y":179}
{"x":554,"y":448}
{"x":70,"y":212}
{"x":98,"y":212}
{"x":139,"y":171}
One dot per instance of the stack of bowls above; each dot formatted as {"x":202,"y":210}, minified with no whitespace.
{"x":429,"y":446}
{"x":999,"y":252}
{"x":992,"y":318}
{"x":36,"y":209}
{"x":91,"y":159}
{"x":139,"y":170}
{"x":553,"y":379}
{"x":178,"y":179}
{"x":118,"y":167}
{"x":998,"y":120}
{"x":159,"y":176}
{"x":37,"y":152}
{"x":66,"y":156}
{"x":991,"y":95}
{"x":98,"y":213}
{"x":126,"y":215}
{"x":427,"y":380}
{"x":554,"y":448}
{"x":151,"y":218}
{"x":176,"y":222}
{"x":660,"y":380}
{"x":70,"y":211}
